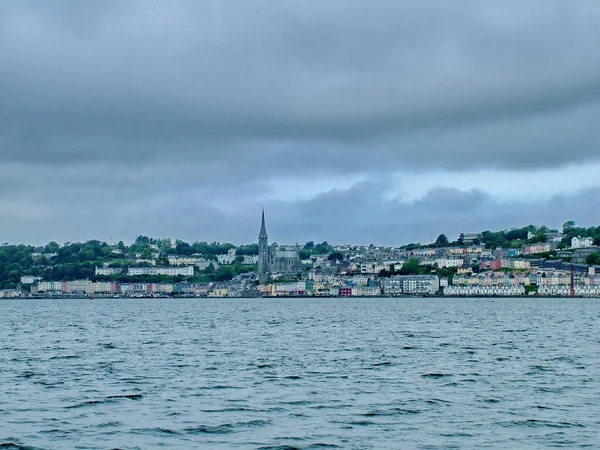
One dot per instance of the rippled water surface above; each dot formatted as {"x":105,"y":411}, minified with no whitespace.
{"x":300,"y":373}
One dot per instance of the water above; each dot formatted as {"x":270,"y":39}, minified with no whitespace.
{"x":300,"y":373}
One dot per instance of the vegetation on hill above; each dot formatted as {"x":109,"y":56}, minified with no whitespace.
{"x":310,"y":248}
{"x":75,"y":261}
{"x":518,"y":237}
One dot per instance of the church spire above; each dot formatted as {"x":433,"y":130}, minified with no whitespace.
{"x":263,"y":228}
{"x":263,"y":252}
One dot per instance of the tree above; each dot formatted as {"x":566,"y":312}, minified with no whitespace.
{"x":304,"y":254}
{"x":593,"y":259}
{"x":51,"y":247}
{"x":336,"y":256}
{"x":251,"y":249}
{"x":411,"y":267}
{"x":442,"y":239}
{"x":224,"y":273}
{"x":142,"y":240}
{"x":568,"y":225}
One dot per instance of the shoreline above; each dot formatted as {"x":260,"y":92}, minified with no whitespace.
{"x":156,"y":297}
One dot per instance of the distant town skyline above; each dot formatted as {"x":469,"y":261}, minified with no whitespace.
{"x":381,"y":122}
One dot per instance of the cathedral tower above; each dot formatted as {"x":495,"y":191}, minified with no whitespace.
{"x":263,"y":252}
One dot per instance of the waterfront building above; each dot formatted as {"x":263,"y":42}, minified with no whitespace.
{"x":411,"y":284}
{"x":477,"y":290}
{"x":366,"y":291}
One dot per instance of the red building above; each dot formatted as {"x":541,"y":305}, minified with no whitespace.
{"x":345,"y":291}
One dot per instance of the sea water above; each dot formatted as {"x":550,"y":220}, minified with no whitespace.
{"x":354,"y":373}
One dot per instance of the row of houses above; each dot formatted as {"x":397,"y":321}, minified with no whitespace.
{"x":562,"y":290}
{"x":479,"y":290}
{"x":357,"y":286}
{"x":171,"y":271}
{"x":86,"y":287}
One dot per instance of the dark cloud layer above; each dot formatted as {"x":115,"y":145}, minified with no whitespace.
{"x":119,"y":106}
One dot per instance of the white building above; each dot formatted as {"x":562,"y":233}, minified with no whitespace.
{"x":373,"y":267}
{"x":250,"y":259}
{"x":290,"y":288}
{"x":411,"y":284}
{"x":482,"y":290}
{"x":167,"y":271}
{"x":29,"y":279}
{"x":50,"y":286}
{"x":108,"y":270}
{"x":226,"y":259}
{"x":366,"y":291}
{"x":10,"y":293}
{"x":549,"y":289}
{"x":175,"y":260}
{"x":449,"y":262}
{"x":578,"y":242}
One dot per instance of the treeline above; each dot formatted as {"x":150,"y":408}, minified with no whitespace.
{"x":77,"y":260}
{"x":517,"y":237}
{"x":310,"y":248}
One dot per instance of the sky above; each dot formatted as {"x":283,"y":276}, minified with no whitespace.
{"x":363,"y":122}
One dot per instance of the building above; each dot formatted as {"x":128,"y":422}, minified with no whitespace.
{"x":264,"y":269}
{"x":469,"y":238}
{"x":228,"y":258}
{"x":578,"y":242}
{"x":482,"y":290}
{"x":107,"y":271}
{"x":51,"y":286}
{"x":176,"y":260}
{"x":185,"y":271}
{"x":29,"y":279}
{"x":538,"y":248}
{"x":449,"y":262}
{"x":249,"y":260}
{"x":581,"y":254}
{"x":285,"y":261}
{"x":411,"y":284}
{"x":366,"y":291}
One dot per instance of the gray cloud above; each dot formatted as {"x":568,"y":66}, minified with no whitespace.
{"x":133,"y":105}
{"x":361,"y":214}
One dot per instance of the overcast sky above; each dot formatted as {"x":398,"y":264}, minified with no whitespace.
{"x":382,"y":122}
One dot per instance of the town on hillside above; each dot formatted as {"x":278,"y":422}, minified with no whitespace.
{"x":533,"y":260}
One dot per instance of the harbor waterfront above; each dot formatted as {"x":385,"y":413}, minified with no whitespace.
{"x":532,"y":261}
{"x":288,"y":373}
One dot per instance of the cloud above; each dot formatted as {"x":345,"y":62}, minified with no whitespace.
{"x":115,"y":111}
{"x":404,"y":81}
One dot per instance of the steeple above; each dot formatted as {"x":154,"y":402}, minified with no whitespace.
{"x":263,"y":252}
{"x":263,"y":228}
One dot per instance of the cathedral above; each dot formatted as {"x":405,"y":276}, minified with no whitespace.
{"x":280,"y":261}
{"x":263,"y":253}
